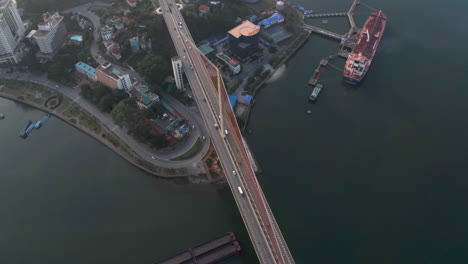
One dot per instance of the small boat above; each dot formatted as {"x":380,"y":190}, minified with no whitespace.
{"x":2,"y":116}
{"x":24,"y":132}
{"x":313,"y":96}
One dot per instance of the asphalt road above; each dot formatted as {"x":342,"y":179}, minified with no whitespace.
{"x":258,"y":218}
{"x":163,"y":158}
{"x":165,"y":155}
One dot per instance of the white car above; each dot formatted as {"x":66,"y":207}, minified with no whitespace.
{"x":153,"y":157}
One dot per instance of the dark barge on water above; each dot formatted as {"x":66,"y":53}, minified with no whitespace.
{"x":210,"y":252}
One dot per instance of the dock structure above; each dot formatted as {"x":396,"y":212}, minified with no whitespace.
{"x":346,"y":40}
{"x":326,"y":15}
{"x":207,"y":253}
{"x":350,"y":14}
{"x":318,"y":71}
{"x":343,"y":53}
{"x":324,"y":32}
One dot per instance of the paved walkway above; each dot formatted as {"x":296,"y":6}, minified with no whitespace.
{"x":163,"y":158}
{"x":192,"y":115}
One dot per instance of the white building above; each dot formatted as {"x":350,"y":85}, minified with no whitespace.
{"x":51,"y":33}
{"x":233,"y":65}
{"x":11,"y":32}
{"x":178,"y":70}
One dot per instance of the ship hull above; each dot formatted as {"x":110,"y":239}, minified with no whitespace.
{"x":351,"y":80}
{"x":360,"y":59}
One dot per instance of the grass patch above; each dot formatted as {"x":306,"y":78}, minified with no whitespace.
{"x":213,"y":154}
{"x":90,"y":123}
{"x":72,"y":111}
{"x":214,"y":174}
{"x":170,"y":170}
{"x":209,"y":163}
{"x":33,"y":99}
{"x":191,"y":152}
{"x":113,"y":140}
{"x":64,"y":105}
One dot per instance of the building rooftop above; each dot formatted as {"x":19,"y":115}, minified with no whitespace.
{"x":204,"y":8}
{"x":247,"y":28}
{"x":111,"y":70}
{"x":275,"y":18}
{"x":87,"y":68}
{"x":50,"y":20}
{"x":205,"y":49}
{"x":227,"y":59}
{"x":41,"y":33}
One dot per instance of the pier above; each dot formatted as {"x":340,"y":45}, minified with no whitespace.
{"x":350,"y":14}
{"x":324,"y":32}
{"x":326,"y":15}
{"x":207,"y":253}
{"x":347,"y":40}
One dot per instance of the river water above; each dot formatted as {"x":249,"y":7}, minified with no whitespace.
{"x":376,"y":174}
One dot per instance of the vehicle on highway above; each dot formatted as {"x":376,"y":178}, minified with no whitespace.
{"x":216,"y":125}
{"x":234,"y":173}
{"x":226,"y":132}
{"x":204,"y":138}
{"x":240,"y":190}
{"x":153,"y":157}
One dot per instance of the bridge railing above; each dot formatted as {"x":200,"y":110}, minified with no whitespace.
{"x":251,"y":182}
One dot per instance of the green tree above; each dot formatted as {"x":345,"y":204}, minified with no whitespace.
{"x":154,"y":68}
{"x":105,"y":104}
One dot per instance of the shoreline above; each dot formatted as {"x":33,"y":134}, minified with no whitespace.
{"x":176,"y":175}
{"x":274,"y":76}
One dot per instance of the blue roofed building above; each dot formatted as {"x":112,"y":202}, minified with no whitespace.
{"x":211,"y":39}
{"x":220,"y":41}
{"x":276,"y":18}
{"x":233,"y":100}
{"x":87,"y":70}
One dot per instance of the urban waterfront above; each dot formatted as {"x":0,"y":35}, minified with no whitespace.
{"x":374,"y":175}
{"x":64,"y":197}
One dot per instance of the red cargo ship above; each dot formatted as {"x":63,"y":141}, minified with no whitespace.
{"x":360,"y":59}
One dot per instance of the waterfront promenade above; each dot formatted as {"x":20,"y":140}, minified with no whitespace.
{"x":163,"y":157}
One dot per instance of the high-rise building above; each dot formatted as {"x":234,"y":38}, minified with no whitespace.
{"x":11,"y":31}
{"x":113,"y":77}
{"x":178,"y":70}
{"x":51,"y":33}
{"x":243,"y":40}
